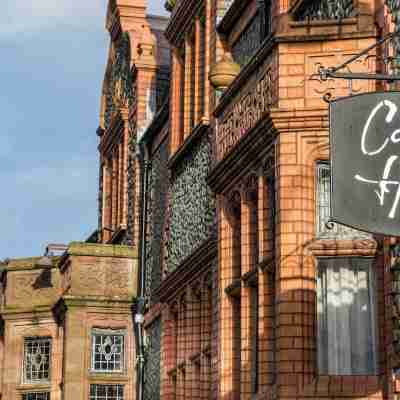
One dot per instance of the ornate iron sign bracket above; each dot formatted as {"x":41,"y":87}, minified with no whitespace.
{"x":332,"y":72}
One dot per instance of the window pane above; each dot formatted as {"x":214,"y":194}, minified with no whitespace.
{"x":36,"y":396}
{"x":346,"y":316}
{"x":323,"y":204}
{"x":37,"y":359}
{"x":106,"y":392}
{"x":107,"y":352}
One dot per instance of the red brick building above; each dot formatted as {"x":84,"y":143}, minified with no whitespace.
{"x":257,"y":295}
{"x":215,"y":265}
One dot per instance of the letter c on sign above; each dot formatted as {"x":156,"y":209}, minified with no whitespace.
{"x":389,"y":117}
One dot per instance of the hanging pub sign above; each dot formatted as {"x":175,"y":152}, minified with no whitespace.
{"x":365,"y":156}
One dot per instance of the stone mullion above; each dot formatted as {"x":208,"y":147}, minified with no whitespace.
{"x":189,"y":344}
{"x":174,"y":105}
{"x":180,"y":392}
{"x":266,"y":371}
{"x":266,"y":285}
{"x":121,"y":176}
{"x":197,"y":321}
{"x":264,"y":225}
{"x":125,"y":180}
{"x":187,"y":88}
{"x":198,"y":77}
{"x":109,"y":200}
{"x":104,"y":201}
{"x":229,"y":382}
{"x":114,"y":191}
{"x":203,"y":340}
{"x":167,"y":354}
{"x":245,"y":298}
{"x":206,"y":341}
{"x":207,"y":57}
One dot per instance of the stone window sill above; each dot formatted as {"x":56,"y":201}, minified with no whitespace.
{"x":327,"y":248}
{"x":109,"y":377}
{"x":342,"y":385}
{"x":40,"y":386}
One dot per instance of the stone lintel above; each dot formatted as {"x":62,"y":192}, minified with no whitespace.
{"x":21,"y":313}
{"x":96,"y":301}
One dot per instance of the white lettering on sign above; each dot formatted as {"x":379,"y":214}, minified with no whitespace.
{"x":385,"y":183}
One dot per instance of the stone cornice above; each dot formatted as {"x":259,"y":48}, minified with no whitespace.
{"x":96,"y":301}
{"x":27,"y":264}
{"x":193,"y":266}
{"x":197,"y":132}
{"x":60,"y":308}
{"x":304,"y":119}
{"x":113,"y":132}
{"x":15,"y":313}
{"x":232,"y":16}
{"x":181,"y":20}
{"x":98,"y":250}
{"x":246,"y":153}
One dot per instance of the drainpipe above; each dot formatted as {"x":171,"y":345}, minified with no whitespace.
{"x":143,"y":156}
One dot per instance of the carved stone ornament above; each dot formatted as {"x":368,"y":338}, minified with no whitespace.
{"x":224,"y":72}
{"x":120,"y":90}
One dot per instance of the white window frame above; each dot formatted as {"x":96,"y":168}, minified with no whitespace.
{"x":324,"y":228}
{"x":106,"y":397}
{"x":26,"y":341}
{"x":25,"y":396}
{"x":107,"y":332}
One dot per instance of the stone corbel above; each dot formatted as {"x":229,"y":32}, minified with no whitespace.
{"x":248,"y":187}
{"x":231,"y":205}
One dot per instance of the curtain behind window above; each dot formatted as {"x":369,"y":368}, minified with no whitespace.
{"x":346,"y":316}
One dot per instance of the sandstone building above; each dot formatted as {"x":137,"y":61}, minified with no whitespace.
{"x":215,"y":272}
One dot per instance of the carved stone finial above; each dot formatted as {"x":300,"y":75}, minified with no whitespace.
{"x":224,"y":72}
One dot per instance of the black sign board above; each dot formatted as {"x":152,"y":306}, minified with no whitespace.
{"x":365,"y":156}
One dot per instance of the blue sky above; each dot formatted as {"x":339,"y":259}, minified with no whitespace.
{"x":52,"y":60}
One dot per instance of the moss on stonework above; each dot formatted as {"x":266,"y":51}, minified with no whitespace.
{"x":101,"y":250}
{"x":26,"y":263}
